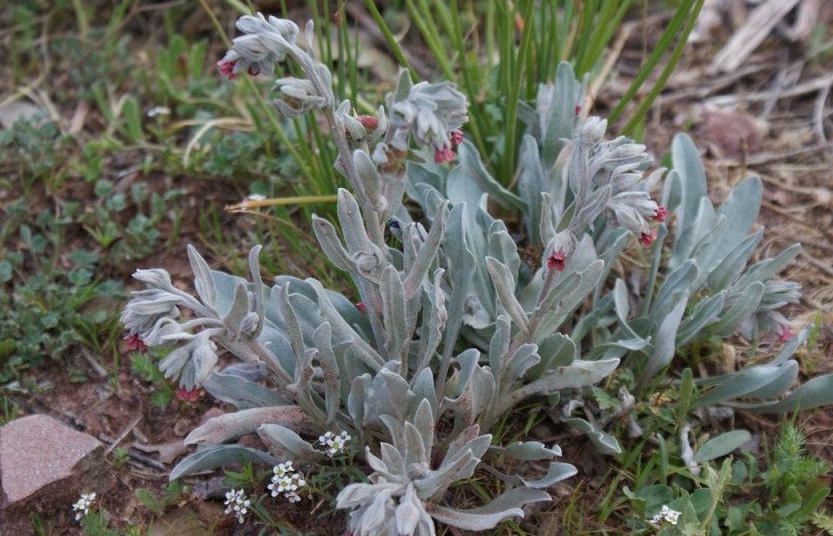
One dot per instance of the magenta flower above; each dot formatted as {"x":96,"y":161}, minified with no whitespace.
{"x":646,"y":239}
{"x":226,"y":68}
{"x":134,"y":343}
{"x":556,"y":261}
{"x":661,"y":214}
{"x":186,"y":395}
{"x":446,"y":154}
{"x":456,"y":137}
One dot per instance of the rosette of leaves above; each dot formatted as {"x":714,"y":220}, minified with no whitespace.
{"x":705,"y":288}
{"x":396,"y":370}
{"x":580,"y":197}
{"x":571,"y":180}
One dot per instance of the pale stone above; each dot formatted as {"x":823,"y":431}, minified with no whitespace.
{"x":45,"y":466}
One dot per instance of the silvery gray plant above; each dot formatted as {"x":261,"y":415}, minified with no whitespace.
{"x":454,"y":327}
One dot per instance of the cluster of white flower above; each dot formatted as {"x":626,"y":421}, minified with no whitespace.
{"x":667,"y":514}
{"x":287,"y":481}
{"x":81,"y":507}
{"x":237,"y":504}
{"x":335,"y":443}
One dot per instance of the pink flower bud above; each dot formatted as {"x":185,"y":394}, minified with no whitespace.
{"x":446,"y":154}
{"x":661,"y":214}
{"x":184,"y":395}
{"x":646,"y":239}
{"x":556,"y":261}
{"x":456,"y":137}
{"x":134,"y":343}
{"x":226,"y":68}
{"x":369,"y":122}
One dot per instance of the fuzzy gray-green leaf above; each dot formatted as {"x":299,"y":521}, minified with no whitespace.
{"x":244,"y":394}
{"x":739,"y":384}
{"x":234,"y":319}
{"x":393,"y":301}
{"x":665,"y":338}
{"x":258,"y":288}
{"x":531,"y":450}
{"x":231,"y":425}
{"x":322,"y":338}
{"x":215,"y":456}
{"x":814,"y":393}
{"x":487,"y":517}
{"x":732,"y":264}
{"x":285,"y":443}
{"x":505,"y":288}
{"x":704,"y":313}
{"x":426,"y":255}
{"x":203,"y":282}
{"x":744,"y":306}
{"x":721,"y":445}
{"x":327,"y":237}
{"x":741,"y":210}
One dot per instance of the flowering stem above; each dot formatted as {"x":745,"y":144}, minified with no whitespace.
{"x":375,"y":228}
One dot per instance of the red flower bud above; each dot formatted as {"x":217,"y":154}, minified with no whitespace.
{"x":184,"y":395}
{"x":661,"y":214}
{"x":556,"y":261}
{"x":443,"y":155}
{"x":456,"y":137}
{"x":646,"y":239}
{"x":369,"y":122}
{"x":226,"y":69}
{"x":135,"y":344}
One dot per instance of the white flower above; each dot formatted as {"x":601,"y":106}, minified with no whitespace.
{"x":237,"y":504}
{"x":158,"y":110}
{"x":286,"y":481}
{"x":667,"y":514}
{"x":81,"y":507}
{"x":335,"y":443}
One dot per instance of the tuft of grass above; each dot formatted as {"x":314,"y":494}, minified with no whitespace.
{"x":498,"y":52}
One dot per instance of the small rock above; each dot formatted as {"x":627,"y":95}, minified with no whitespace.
{"x":730,"y":130}
{"x":44,"y":467}
{"x":18,"y":111}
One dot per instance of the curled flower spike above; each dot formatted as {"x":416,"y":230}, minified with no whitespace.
{"x":81,"y":507}
{"x":661,"y":214}
{"x":556,"y":261}
{"x":647,"y":239}
{"x":237,"y":504}
{"x":266,"y":41}
{"x":430,"y":113}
